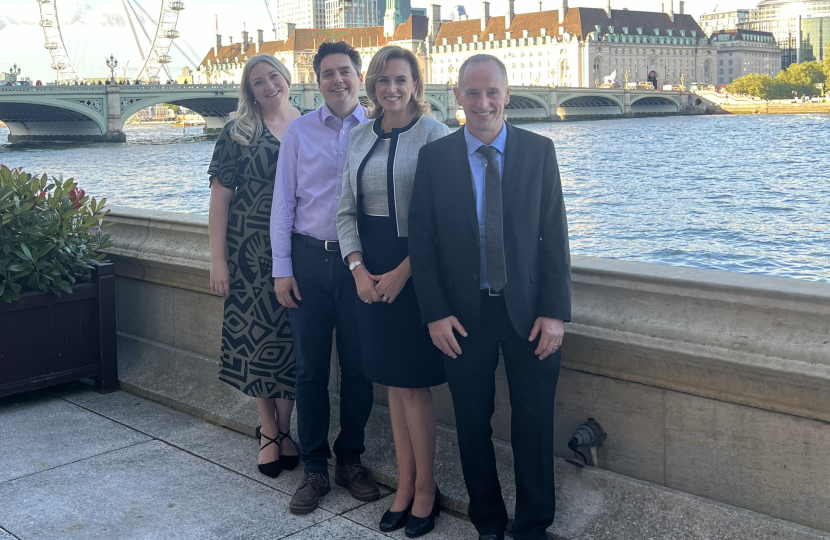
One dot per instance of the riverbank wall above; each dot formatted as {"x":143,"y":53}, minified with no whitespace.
{"x":716,"y":103}
{"x":712,"y":386}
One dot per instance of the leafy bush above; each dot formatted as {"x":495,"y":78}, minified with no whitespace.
{"x":50,"y":232}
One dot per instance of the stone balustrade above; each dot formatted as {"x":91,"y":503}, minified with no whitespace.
{"x":710,"y":383}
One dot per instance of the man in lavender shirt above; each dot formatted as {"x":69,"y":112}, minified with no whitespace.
{"x":312,"y":281}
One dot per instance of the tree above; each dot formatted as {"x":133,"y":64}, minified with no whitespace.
{"x":753,"y":84}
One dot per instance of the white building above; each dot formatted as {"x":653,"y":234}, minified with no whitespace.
{"x":579,"y":46}
{"x":351,"y":13}
{"x":741,"y":52}
{"x":299,"y":13}
{"x":726,"y":20}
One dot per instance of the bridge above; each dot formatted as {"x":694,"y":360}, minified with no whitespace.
{"x":98,"y":113}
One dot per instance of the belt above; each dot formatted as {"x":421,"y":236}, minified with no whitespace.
{"x":327,"y":245}
{"x":491,"y":292}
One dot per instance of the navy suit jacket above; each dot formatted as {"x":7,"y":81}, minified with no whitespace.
{"x":444,"y":234}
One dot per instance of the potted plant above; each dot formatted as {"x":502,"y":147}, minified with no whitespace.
{"x":57,"y":296}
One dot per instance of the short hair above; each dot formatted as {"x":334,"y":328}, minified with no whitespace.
{"x":418,"y":105}
{"x":336,"y":47}
{"x":481,"y":58}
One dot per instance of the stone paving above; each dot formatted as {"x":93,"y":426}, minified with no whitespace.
{"x":75,"y":464}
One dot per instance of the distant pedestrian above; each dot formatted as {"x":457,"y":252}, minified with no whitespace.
{"x":257,"y":347}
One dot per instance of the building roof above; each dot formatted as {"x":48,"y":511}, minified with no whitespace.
{"x":416,"y":28}
{"x":308,"y":39}
{"x":579,"y":21}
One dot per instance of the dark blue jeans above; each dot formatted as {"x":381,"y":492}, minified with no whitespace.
{"x":328,"y":291}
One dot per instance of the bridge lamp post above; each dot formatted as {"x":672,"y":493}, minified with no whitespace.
{"x":14,"y":71}
{"x":112,"y":63}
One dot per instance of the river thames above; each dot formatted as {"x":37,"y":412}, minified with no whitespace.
{"x":746,"y":194}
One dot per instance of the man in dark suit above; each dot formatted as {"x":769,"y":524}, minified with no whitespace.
{"x":488,"y":244}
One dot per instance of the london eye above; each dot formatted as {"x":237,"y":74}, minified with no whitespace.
{"x":154,"y":38}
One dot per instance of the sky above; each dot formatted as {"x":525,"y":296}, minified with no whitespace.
{"x":94,"y":29}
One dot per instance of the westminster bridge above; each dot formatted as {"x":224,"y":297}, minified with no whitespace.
{"x":98,"y":113}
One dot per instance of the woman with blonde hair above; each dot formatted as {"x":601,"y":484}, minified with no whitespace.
{"x":257,"y":348}
{"x":372,"y":220}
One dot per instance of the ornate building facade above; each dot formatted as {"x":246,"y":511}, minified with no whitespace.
{"x":578,"y":47}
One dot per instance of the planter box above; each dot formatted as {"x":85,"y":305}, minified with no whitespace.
{"x":47,"y":339}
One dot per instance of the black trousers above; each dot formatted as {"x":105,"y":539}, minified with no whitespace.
{"x":532,"y":384}
{"x":328,"y":291}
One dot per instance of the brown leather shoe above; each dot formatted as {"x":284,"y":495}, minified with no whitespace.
{"x":357,"y":480}
{"x":305,"y":499}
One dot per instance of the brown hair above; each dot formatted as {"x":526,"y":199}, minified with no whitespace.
{"x":418,"y":103}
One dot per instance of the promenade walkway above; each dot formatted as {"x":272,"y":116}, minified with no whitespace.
{"x":77,"y":464}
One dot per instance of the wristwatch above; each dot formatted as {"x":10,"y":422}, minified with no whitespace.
{"x":354,"y":264}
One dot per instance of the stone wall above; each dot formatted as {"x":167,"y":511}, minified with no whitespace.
{"x":711,"y":383}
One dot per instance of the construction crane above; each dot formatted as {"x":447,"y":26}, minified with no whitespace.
{"x":273,"y":24}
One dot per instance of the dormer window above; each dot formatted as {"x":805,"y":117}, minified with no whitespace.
{"x":445,"y":41}
{"x":492,"y":37}
{"x":524,"y":34}
{"x":460,"y":39}
{"x":640,"y":30}
{"x":669,"y":31}
{"x":507,"y":35}
{"x":544,"y":32}
{"x":683,"y":33}
{"x":610,"y":29}
{"x":625,"y":30}
{"x":656,"y":31}
{"x":475,"y":39}
{"x":694,"y":33}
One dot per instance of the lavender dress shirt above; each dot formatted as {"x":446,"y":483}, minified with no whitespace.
{"x":309,"y":181}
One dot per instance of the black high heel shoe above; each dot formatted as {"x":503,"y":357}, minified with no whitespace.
{"x":392,"y":521}
{"x":273,"y":469}
{"x":419,"y":526}
{"x":287,"y":462}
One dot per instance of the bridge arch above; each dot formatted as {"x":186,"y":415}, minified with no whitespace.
{"x":654,"y":105}
{"x":589,"y":105}
{"x":526,"y":106}
{"x":35,"y":119}
{"x":214,"y":109}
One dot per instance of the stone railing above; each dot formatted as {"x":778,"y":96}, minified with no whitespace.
{"x":711,"y":383}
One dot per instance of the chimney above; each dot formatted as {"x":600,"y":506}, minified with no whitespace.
{"x":259,"y":40}
{"x":608,"y":8}
{"x":485,"y":15}
{"x":540,"y":6}
{"x":511,"y":12}
{"x":671,"y":10}
{"x":244,"y":41}
{"x":682,"y":5}
{"x":218,"y":45}
{"x":434,"y":11}
{"x":563,"y":10}
{"x":230,"y":40}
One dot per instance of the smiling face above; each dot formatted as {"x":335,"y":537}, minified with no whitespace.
{"x":269,"y":87}
{"x":395,"y":87}
{"x":483,"y":92}
{"x":339,"y":83}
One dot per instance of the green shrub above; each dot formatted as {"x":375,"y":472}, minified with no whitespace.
{"x":50,"y":233}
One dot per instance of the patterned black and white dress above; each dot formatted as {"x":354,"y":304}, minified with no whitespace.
{"x":257,"y":346}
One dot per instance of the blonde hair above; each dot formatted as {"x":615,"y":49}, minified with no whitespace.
{"x":247,"y":126}
{"x":418,"y":103}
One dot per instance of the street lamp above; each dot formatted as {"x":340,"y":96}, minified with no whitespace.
{"x":112,"y":63}
{"x":14,"y":71}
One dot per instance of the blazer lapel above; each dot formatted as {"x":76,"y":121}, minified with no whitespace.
{"x":512,"y":159}
{"x":463,"y":176}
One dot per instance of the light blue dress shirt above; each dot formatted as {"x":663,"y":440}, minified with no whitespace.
{"x":478,"y":167}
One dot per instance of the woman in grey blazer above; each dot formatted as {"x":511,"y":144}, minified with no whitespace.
{"x":372,"y":221}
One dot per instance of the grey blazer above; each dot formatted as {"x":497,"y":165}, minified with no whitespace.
{"x":361,"y":140}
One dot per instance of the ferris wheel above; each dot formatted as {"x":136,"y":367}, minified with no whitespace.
{"x":155,"y":59}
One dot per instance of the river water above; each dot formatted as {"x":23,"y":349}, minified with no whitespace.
{"x":738,"y":193}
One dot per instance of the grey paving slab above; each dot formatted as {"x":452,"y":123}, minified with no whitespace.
{"x":447,"y":526}
{"x":337,"y":528}
{"x":220,"y":445}
{"x":147,"y":491}
{"x":40,"y":432}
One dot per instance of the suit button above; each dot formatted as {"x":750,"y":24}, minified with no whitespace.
{"x":475,"y":277}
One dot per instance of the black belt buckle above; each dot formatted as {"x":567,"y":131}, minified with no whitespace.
{"x":335,"y":245}
{"x":492,"y":292}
